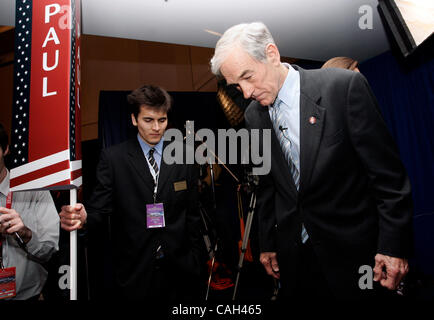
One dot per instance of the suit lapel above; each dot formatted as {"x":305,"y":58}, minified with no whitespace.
{"x":139,"y":163}
{"x":312,"y":117}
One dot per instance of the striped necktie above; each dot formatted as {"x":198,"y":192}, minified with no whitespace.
{"x":152,"y":161}
{"x":288,"y":148}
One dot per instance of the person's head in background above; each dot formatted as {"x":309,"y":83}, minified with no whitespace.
{"x":343,"y":63}
{"x":149,"y":107}
{"x":4,"y":150}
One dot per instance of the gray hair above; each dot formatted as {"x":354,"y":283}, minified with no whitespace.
{"x":252,"y":37}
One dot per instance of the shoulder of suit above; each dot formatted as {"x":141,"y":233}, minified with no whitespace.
{"x":121,"y":148}
{"x":329,"y":74}
{"x":328,"y":80}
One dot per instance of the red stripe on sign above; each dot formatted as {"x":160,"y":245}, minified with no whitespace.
{"x":50,"y":78}
{"x":39,"y":173}
{"x":75,"y":174}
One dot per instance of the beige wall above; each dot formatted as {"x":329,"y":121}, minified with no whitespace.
{"x":122,"y":64}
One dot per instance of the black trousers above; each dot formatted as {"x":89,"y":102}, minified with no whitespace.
{"x":310,"y":280}
{"x":311,"y":283}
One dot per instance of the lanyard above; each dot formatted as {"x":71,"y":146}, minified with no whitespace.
{"x":155,"y":177}
{"x":8,"y":206}
{"x":9,"y":200}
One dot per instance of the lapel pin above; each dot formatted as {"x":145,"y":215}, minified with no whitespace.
{"x":312,"y":120}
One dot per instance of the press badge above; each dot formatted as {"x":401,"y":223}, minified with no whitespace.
{"x":7,"y":283}
{"x":155,"y":216}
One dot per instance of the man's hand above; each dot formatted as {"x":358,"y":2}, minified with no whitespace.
{"x":11,"y":222}
{"x":268,"y":259}
{"x":389,"y":270}
{"x":73,"y":218}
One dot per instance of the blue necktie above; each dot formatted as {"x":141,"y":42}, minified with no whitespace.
{"x":288,"y":148}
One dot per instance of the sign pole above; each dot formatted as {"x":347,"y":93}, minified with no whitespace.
{"x":73,"y":251}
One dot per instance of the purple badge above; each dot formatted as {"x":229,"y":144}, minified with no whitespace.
{"x":155,"y":215}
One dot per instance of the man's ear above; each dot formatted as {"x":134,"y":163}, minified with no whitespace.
{"x":272,"y":53}
{"x":133,"y":120}
{"x":7,"y":150}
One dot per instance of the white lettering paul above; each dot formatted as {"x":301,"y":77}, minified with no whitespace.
{"x":50,"y":10}
{"x":45,"y":64}
{"x":49,"y":13}
{"x":51,"y":36}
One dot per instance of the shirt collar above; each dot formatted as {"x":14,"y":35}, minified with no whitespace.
{"x":289,"y":87}
{"x":4,"y":185}
{"x":146,"y":147}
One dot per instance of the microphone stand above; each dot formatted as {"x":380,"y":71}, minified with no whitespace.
{"x":215,"y":156}
{"x":211,"y":165}
{"x":250,"y":214}
{"x":248,"y":223}
{"x":211,"y":271}
{"x":211,"y":168}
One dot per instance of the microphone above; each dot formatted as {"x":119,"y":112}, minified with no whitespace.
{"x":282,"y":128}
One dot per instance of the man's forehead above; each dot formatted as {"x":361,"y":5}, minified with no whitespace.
{"x":151,"y":112}
{"x":236,"y":65}
{"x":233,"y":79}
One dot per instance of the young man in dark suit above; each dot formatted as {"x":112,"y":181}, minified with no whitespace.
{"x":153,"y":207}
{"x":337,"y":198}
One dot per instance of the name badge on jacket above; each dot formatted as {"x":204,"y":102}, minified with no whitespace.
{"x":180,"y":185}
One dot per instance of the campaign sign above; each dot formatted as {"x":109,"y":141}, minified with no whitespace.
{"x":45,"y":137}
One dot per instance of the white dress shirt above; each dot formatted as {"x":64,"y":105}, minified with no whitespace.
{"x":38,"y":213}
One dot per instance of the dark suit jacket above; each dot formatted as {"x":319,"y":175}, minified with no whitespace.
{"x":354,"y":195}
{"x":124,"y":187}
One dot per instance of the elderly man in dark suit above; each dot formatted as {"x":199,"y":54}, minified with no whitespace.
{"x":153,"y":207}
{"x":337,"y":198}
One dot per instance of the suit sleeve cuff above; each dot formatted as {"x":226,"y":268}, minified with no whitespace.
{"x":399,"y":246}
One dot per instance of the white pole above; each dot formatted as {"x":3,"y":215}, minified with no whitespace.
{"x":73,"y":251}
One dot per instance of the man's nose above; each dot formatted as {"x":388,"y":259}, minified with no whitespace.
{"x":247,"y":90}
{"x":156,"y":126}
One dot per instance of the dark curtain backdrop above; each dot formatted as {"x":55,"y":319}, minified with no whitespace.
{"x":406,"y":99}
{"x":114,"y":119}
